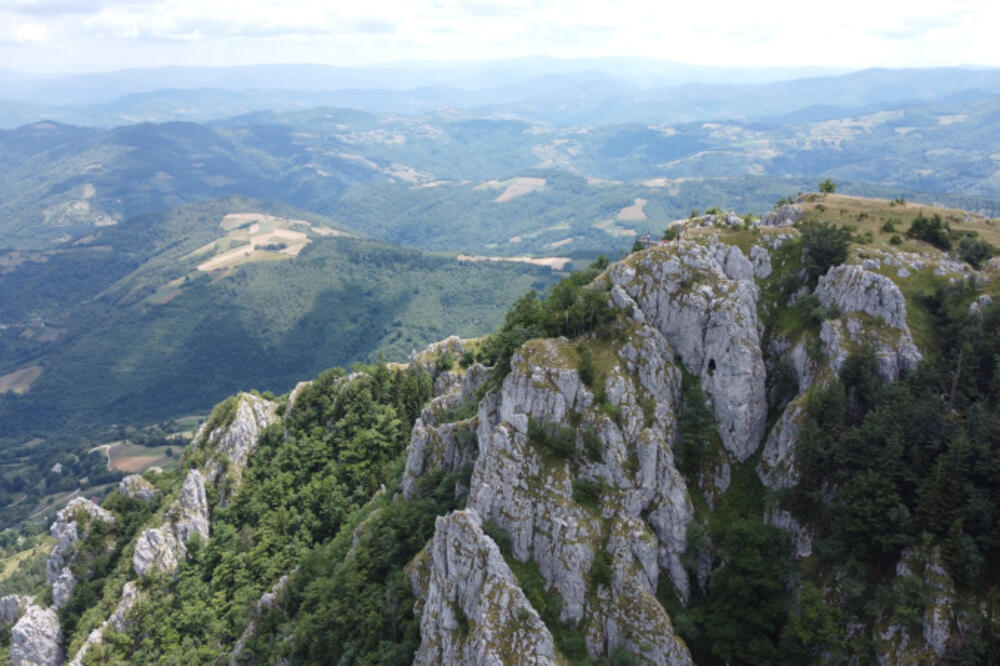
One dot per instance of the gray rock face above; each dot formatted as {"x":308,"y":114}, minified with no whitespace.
{"x":529,"y":494}
{"x":427,"y":359}
{"x":854,"y":289}
{"x":782,"y":216}
{"x":447,"y":446}
{"x":164,"y":547}
{"x":11,"y":608}
{"x":858,"y":293}
{"x":709,"y":317}
{"x":761,"y":260}
{"x":776,"y":468}
{"x":232,"y":444}
{"x":471,"y":608}
{"x":136,"y":487}
{"x":69,"y":528}
{"x":36,"y":638}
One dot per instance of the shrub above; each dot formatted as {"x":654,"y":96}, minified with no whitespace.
{"x":824,"y":245}
{"x":588,"y":493}
{"x":586,"y":367}
{"x":557,"y":440}
{"x":890,"y":225}
{"x":896,"y":240}
{"x":932,"y":230}
{"x":600,"y":570}
{"x":828,"y":186}
{"x":593,"y":444}
{"x":673,"y":232}
{"x":974,"y":251}
{"x":445,"y":361}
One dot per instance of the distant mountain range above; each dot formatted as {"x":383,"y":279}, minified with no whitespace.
{"x":545,"y":91}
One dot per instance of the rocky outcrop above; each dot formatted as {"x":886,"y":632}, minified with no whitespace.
{"x":116,"y":622}
{"x":895,"y":643}
{"x":761,"y":260}
{"x":232,"y":443}
{"x":11,"y":608}
{"x":709,"y":317}
{"x":36,"y":638}
{"x":776,"y":468}
{"x":70,"y":527}
{"x":872,"y":315}
{"x":854,"y":289}
{"x":470,"y":606}
{"x":782,"y":216}
{"x":643,"y":505}
{"x":437,"y":445}
{"x":136,"y":487}
{"x":164,"y":547}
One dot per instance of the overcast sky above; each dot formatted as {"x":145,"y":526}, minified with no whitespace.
{"x":97,"y":35}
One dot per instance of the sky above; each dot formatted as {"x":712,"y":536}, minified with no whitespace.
{"x":100,"y":35}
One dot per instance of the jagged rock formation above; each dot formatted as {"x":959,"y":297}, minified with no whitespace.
{"x":164,"y":547}
{"x":232,"y":443}
{"x":782,"y":216}
{"x":36,"y":638}
{"x":704,"y":302}
{"x":447,"y":446}
{"x":136,"y":487}
{"x":69,"y":529}
{"x":471,"y":608}
{"x":853,"y":291}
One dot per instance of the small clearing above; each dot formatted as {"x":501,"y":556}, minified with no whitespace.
{"x":636,"y":211}
{"x":236,"y":220}
{"x":952,"y":119}
{"x":9,"y":564}
{"x":555,"y":263}
{"x":559,"y":243}
{"x":327,"y":231}
{"x":132,"y":458}
{"x":513,"y":188}
{"x":20,"y":381}
{"x":609,"y":227}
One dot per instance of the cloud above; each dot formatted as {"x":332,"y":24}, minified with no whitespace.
{"x":918,"y":26}
{"x":371,"y":25}
{"x":52,"y":7}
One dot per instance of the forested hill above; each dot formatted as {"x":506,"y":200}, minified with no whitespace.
{"x":757,"y":441}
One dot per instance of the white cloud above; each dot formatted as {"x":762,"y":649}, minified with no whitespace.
{"x":99,"y":34}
